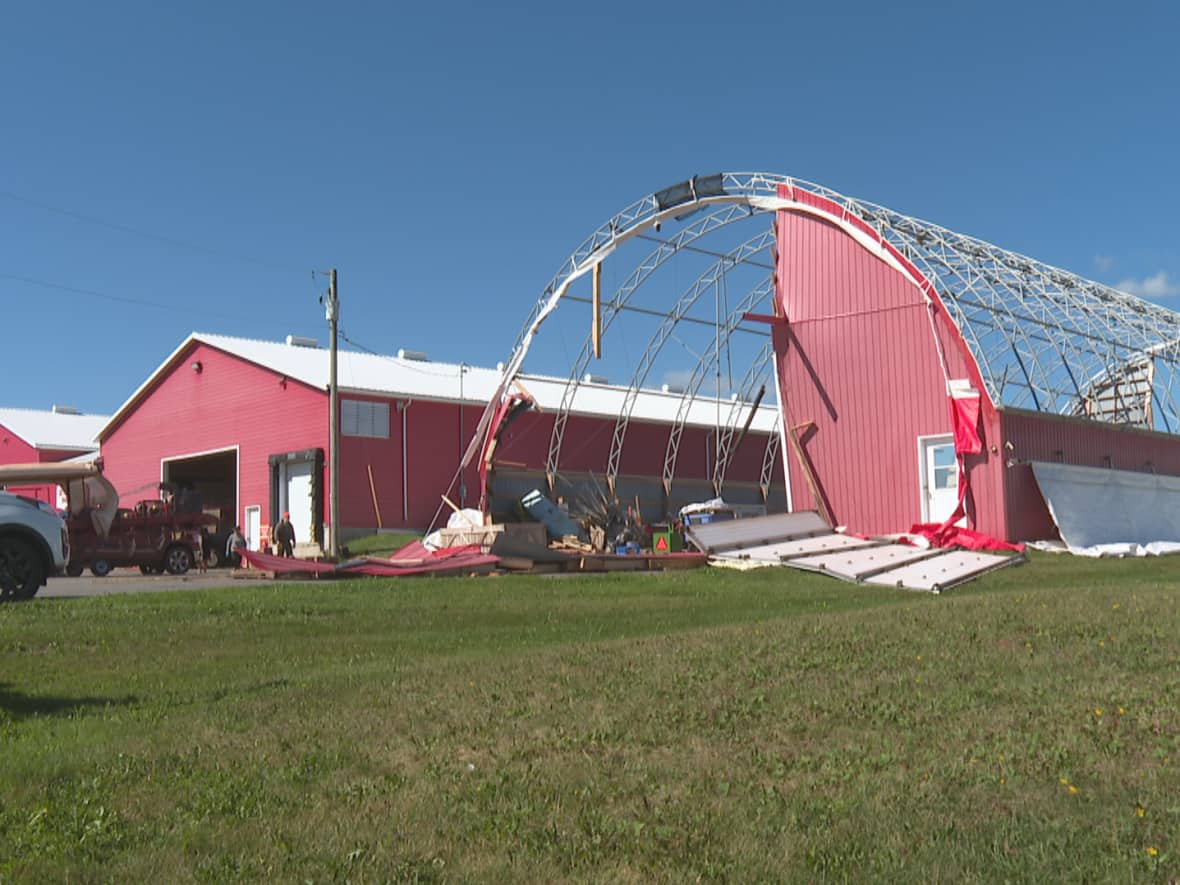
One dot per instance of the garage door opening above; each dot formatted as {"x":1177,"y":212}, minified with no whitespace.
{"x":206,"y":483}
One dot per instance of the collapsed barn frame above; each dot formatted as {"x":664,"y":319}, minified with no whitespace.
{"x":1035,"y":339}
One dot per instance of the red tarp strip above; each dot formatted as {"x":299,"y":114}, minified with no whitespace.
{"x":413,"y":559}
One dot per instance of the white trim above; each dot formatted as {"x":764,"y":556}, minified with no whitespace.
{"x":783,"y":445}
{"x":923,"y":441}
{"x":236,"y":449}
{"x":257,"y":542}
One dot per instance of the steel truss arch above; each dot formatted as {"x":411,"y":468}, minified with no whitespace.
{"x":676,"y":432}
{"x":664,"y":252}
{"x":712,"y":276}
{"x":726,"y":446}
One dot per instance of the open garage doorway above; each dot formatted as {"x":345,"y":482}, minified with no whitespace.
{"x":206,"y":482}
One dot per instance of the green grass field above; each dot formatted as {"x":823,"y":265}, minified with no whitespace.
{"x":768,"y":726}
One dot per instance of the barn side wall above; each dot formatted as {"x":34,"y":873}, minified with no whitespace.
{"x":1034,"y":436}
{"x":862,"y":381}
{"x":231,"y":402}
{"x":228,"y":403}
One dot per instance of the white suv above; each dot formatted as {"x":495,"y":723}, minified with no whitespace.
{"x":33,"y":546}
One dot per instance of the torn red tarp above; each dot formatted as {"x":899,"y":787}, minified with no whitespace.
{"x":965,"y":415}
{"x":945,"y":535}
{"x":413,"y":559}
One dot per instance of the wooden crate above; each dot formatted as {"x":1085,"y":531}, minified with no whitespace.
{"x":465,"y":536}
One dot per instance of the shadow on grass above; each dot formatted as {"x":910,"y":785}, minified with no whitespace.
{"x":20,"y":706}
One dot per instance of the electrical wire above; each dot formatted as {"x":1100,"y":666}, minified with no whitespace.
{"x":170,"y":241}
{"x":122,"y":299}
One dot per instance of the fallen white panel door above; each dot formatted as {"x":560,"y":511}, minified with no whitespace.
{"x":941,"y":572}
{"x":757,"y":531}
{"x":1093,"y":506}
{"x":783,"y":550}
{"x":861,"y":564}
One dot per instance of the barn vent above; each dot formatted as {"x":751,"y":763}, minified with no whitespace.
{"x":596,"y":379}
{"x":59,"y":409}
{"x":416,"y":356}
{"x":300,"y":341}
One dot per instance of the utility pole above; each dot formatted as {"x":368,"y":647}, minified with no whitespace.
{"x":333,"y":314}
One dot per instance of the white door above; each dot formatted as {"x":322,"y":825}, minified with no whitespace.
{"x":940,"y":478}
{"x":299,"y":499}
{"x":253,"y":527}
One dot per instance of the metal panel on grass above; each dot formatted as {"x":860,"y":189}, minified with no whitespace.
{"x":861,"y":564}
{"x":941,"y":572}
{"x":782,"y":550}
{"x":757,"y":531}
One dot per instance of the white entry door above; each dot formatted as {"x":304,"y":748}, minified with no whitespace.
{"x":299,"y":499}
{"x":253,"y":527}
{"x":940,"y":477}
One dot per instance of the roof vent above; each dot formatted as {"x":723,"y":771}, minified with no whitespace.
{"x":596,"y":379}
{"x":300,"y":341}
{"x":415,"y":356}
{"x":65,"y":410}
{"x":672,"y":388}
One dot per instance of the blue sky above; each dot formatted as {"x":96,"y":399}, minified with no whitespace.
{"x":447,"y":160}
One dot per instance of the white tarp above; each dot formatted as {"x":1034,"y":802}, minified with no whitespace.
{"x":1103,"y":512}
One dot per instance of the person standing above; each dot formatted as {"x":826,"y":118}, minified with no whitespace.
{"x":234,"y":546}
{"x":199,"y":551}
{"x":284,"y":535}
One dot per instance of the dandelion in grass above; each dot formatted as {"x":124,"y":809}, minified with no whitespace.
{"x":1064,"y":781}
{"x":1073,"y":791}
{"x":1098,"y":712}
{"x":1140,"y":811}
{"x":1152,"y":851}
{"x":1121,"y":711}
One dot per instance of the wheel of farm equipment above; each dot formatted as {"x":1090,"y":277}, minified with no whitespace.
{"x":178,"y":559}
{"x":20,"y":569}
{"x":74,"y":569}
{"x":100,"y":568}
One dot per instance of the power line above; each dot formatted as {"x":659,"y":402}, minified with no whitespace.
{"x":122,"y":299}
{"x":171,"y":241}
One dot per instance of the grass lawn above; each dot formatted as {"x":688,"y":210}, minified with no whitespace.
{"x":767,"y":726}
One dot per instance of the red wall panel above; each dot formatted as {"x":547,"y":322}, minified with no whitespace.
{"x":228,"y":403}
{"x":860,"y":368}
{"x":1039,"y":437}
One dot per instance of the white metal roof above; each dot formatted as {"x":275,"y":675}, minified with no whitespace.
{"x":54,"y":430}
{"x":394,"y":377}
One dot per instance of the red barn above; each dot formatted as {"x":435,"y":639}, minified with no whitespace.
{"x":244,"y":423}
{"x":30,"y":436}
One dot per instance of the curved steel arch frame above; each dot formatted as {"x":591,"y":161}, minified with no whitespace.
{"x":1034,"y":336}
{"x":712,"y":276}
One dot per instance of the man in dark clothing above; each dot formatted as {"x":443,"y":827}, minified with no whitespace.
{"x":234,"y":545}
{"x":284,"y":535}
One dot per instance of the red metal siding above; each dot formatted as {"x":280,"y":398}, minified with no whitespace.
{"x":1039,"y":437}
{"x":234,"y":403}
{"x":228,"y":403}
{"x":858,"y":359}
{"x":14,"y":450}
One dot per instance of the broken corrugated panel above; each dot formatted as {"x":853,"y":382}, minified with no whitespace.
{"x":941,"y":572}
